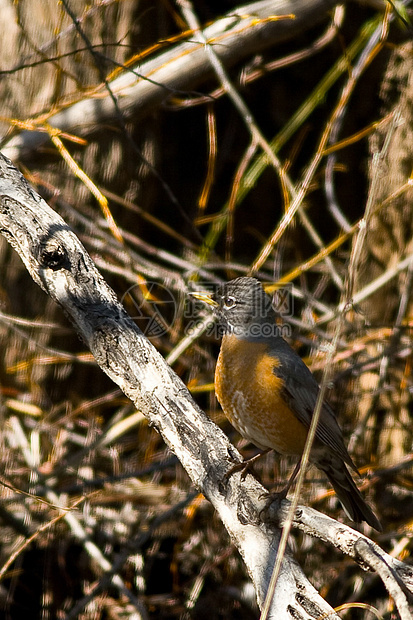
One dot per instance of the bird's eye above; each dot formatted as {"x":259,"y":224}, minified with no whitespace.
{"x":229,"y":302}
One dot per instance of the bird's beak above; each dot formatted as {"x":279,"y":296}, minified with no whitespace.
{"x":205,"y":297}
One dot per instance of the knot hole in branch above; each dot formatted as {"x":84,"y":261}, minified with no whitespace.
{"x":52,"y":255}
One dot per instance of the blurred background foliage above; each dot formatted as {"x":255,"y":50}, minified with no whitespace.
{"x":192,"y":201}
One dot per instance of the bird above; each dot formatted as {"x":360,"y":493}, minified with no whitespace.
{"x":269,"y":394}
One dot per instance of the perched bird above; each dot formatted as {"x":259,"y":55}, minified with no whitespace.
{"x":269,"y":394}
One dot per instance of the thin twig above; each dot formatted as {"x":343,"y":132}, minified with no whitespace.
{"x":237,"y":100}
{"x":308,"y":176}
{"x":252,"y":126}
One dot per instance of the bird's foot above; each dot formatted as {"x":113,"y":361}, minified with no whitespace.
{"x":272,"y":497}
{"x":246,"y":466}
{"x":278,"y":496}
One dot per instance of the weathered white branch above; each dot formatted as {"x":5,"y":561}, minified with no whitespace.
{"x":396,"y":575}
{"x":243,"y":31}
{"x":60,"y":265}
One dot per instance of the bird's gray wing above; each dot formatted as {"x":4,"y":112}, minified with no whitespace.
{"x":301,"y":391}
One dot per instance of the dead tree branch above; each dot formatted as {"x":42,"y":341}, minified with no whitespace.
{"x":144,"y":86}
{"x":396,"y":575}
{"x":60,"y":265}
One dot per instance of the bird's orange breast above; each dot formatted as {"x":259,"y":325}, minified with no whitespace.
{"x":250,"y":395}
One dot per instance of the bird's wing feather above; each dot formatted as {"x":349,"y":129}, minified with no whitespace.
{"x":301,"y":391}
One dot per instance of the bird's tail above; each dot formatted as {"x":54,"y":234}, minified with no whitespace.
{"x":347,"y":492}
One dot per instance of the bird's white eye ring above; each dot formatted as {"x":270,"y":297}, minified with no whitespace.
{"x":229,"y":302}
